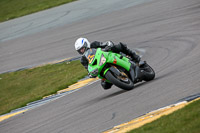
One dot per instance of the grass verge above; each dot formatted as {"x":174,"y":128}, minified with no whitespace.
{"x":186,"y":120}
{"x":16,"y":8}
{"x":21,"y":87}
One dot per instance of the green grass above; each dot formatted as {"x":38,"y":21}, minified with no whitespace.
{"x":10,"y":9}
{"x":21,"y":87}
{"x":186,"y":120}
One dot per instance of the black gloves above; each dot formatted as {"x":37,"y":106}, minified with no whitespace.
{"x":91,"y":76}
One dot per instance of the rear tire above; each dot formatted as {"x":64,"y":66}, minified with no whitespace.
{"x":128,"y":85}
{"x":149,"y":73}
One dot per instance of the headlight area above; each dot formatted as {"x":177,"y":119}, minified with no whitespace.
{"x":102,"y":60}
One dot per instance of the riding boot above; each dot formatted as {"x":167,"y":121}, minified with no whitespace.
{"x":106,"y":85}
{"x":138,"y":73}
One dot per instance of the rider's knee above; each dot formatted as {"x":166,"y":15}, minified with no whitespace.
{"x":106,"y":85}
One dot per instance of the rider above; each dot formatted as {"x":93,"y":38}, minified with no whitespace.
{"x":82,"y":44}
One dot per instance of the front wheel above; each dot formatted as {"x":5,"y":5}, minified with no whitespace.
{"x":122,"y":82}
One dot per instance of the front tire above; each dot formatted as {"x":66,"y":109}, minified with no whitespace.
{"x":125,"y":85}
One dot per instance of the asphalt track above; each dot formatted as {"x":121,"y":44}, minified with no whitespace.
{"x":168,"y":30}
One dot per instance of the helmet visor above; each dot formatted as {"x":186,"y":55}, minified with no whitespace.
{"x":82,"y":49}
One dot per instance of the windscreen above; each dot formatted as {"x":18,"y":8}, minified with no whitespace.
{"x":90,"y":54}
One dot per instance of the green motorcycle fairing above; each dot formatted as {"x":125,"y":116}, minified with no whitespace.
{"x":97,"y":59}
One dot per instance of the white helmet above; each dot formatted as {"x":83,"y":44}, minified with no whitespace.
{"x":81,"y":45}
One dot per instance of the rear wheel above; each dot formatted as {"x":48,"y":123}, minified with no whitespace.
{"x":149,"y":73}
{"x":122,"y":81}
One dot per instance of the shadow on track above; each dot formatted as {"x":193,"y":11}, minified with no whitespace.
{"x":108,"y":96}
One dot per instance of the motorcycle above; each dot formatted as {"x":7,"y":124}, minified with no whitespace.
{"x":117,"y":69}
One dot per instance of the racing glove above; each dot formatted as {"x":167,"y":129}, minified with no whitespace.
{"x":91,"y":76}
